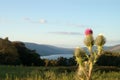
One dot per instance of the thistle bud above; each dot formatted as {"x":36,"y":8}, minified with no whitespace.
{"x":100,"y":40}
{"x":80,"y":55}
{"x":79,"y":52}
{"x":89,"y":41}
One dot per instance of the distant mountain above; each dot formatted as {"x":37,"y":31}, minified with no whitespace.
{"x":115,"y":48}
{"x":45,"y":50}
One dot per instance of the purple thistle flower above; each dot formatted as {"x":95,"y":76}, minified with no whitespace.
{"x":88,"y":31}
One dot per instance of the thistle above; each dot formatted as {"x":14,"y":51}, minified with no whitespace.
{"x":85,"y":62}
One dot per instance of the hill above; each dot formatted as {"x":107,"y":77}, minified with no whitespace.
{"x":46,"y":50}
{"x":115,"y":48}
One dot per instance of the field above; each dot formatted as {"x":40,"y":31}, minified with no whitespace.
{"x":51,"y":73}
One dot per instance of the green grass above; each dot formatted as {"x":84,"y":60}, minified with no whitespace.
{"x":50,"y":73}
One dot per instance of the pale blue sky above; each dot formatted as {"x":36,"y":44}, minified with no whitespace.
{"x":59,"y":22}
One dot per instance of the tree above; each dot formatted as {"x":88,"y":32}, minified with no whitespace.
{"x":8,"y":53}
{"x":71,"y":61}
{"x":28,"y":57}
{"x":61,"y":61}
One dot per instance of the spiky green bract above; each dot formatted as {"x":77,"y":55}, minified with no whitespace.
{"x":100,"y":41}
{"x":80,"y":55}
{"x":89,"y":40}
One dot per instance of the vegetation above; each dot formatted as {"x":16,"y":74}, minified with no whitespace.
{"x":15,"y":53}
{"x":8,"y":53}
{"x":16,"y":58}
{"x":51,"y":73}
{"x":86,"y":61}
{"x":27,"y":57}
{"x":109,"y":59}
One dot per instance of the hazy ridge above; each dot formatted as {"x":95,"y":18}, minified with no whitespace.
{"x":46,"y":50}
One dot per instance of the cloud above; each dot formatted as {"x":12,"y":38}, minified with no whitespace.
{"x":67,"y":33}
{"x":77,"y":25}
{"x":28,"y":19}
{"x":44,"y":21}
{"x":71,"y":24}
{"x":6,"y":21}
{"x":41,"y":21}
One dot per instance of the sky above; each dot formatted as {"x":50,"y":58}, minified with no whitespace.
{"x":59,"y":22}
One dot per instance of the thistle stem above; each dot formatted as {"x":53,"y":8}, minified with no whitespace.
{"x":90,"y":50}
{"x":99,"y":49}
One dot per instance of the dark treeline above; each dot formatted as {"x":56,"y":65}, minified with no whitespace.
{"x":109,"y":59}
{"x":16,"y":53}
{"x":61,"y":61}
